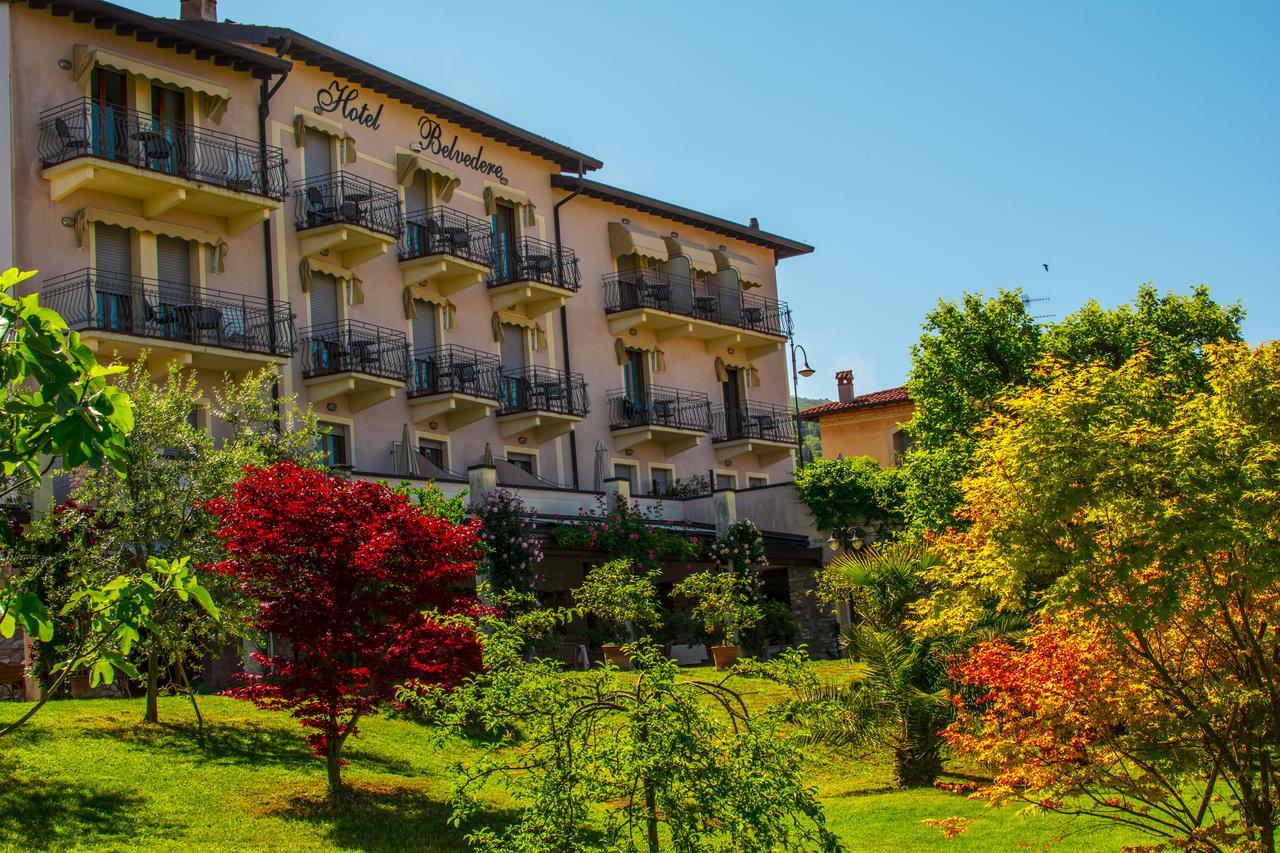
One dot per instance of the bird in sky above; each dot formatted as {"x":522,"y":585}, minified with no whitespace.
{"x":1046,"y":267}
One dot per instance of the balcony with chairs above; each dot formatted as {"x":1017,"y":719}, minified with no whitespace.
{"x":443,"y":251}
{"x":353,"y":219}
{"x":672,"y":306}
{"x":360,"y":362}
{"x":455,"y":384}
{"x":531,"y":276}
{"x":209,"y":329}
{"x":540,"y":401}
{"x":163,"y":164}
{"x":672,"y":418}
{"x":765,"y":429}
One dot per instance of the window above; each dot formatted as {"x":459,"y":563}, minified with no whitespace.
{"x":333,"y":444}
{"x":726,"y":481}
{"x":631,"y":472}
{"x":526,"y":462}
{"x":731,"y":395}
{"x":660,"y":479}
{"x":432,"y":451}
{"x":505,"y":235}
{"x":902,"y":442}
{"x":755,"y":481}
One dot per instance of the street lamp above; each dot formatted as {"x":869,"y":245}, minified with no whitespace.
{"x":806,"y":372}
{"x":850,"y":537}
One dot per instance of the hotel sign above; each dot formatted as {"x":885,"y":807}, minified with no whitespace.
{"x":344,"y":99}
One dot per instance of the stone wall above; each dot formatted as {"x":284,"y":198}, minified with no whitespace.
{"x":818,"y":626}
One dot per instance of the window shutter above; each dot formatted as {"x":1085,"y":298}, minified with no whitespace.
{"x":324,"y":299}
{"x":416,"y":196}
{"x":512,"y":349}
{"x":113,"y":252}
{"x":424,"y":326}
{"x":319,"y":154}
{"x":173,"y":263}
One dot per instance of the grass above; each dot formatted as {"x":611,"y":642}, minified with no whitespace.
{"x":90,"y":774}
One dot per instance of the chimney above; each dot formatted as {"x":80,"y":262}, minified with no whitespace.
{"x":844,"y":385}
{"x":200,"y":10}
{"x":754,"y":223}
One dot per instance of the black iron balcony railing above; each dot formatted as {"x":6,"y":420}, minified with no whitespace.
{"x":530,"y":259}
{"x":729,"y":306}
{"x":453,"y":369}
{"x":542,"y":389}
{"x":441,"y":231}
{"x":348,"y":199}
{"x":85,"y":128}
{"x":351,"y":346}
{"x":90,"y":299}
{"x":753,"y":420}
{"x":659,"y":406}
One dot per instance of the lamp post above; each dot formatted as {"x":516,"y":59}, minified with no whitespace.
{"x":796,"y":373}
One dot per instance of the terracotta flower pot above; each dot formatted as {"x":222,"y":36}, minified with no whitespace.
{"x":725,"y":656}
{"x":613,"y":654}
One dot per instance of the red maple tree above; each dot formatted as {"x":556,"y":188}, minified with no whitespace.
{"x":359,"y":581}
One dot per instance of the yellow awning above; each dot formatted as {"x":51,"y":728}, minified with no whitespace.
{"x":750,"y":274}
{"x":85,"y":57}
{"x":137,"y":223}
{"x":700,"y":257}
{"x":627,"y":239}
{"x":442,"y":180}
{"x":494,"y":192}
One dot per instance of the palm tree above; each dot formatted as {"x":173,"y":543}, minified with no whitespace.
{"x":897,"y":697}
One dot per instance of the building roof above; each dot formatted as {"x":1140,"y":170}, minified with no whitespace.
{"x":783,"y":247}
{"x":887,"y":397}
{"x":305,"y":49}
{"x":165,"y":34}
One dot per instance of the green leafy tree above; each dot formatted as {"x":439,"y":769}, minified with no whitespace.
{"x":156,"y":506}
{"x":851,"y":490}
{"x":622,"y":597}
{"x":605,"y":761}
{"x":721,"y":601}
{"x":54,"y":403}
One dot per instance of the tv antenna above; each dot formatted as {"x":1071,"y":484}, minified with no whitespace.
{"x":1028,"y":301}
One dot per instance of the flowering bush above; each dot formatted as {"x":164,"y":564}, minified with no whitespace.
{"x":721,"y":601}
{"x":626,"y":532}
{"x":511,"y":548}
{"x":740,"y":549}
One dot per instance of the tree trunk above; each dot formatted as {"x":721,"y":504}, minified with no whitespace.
{"x":153,"y":688}
{"x":651,"y":814}
{"x":333,"y":758}
{"x":915,"y":768}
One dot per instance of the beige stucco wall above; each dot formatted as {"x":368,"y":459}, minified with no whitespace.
{"x":864,"y":433}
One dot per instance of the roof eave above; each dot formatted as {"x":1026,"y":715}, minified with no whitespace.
{"x":782,"y":247}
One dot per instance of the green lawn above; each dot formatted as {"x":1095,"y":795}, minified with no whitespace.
{"x":90,"y":774}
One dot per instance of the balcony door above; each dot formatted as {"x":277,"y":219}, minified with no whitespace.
{"x":505,"y":237}
{"x":635,"y":386}
{"x":163,"y":144}
{"x":417,"y":201}
{"x":426,"y":363}
{"x":515,"y":393}
{"x":731,"y":395}
{"x":318,"y":155}
{"x":326,"y":342}
{"x":171,"y":307}
{"x":110,"y":114}
{"x":113,"y":266}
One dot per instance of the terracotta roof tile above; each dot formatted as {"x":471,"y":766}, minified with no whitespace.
{"x":887,"y":397}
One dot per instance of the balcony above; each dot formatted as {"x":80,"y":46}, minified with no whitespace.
{"x":670,"y":307}
{"x":764,"y":429}
{"x":540,"y":401}
{"x":532,"y":277}
{"x":351,"y":218}
{"x":444,"y":251}
{"x":455,"y":384}
{"x":203,"y":328}
{"x":672,"y":418}
{"x":163,"y":164}
{"x":360,"y":362}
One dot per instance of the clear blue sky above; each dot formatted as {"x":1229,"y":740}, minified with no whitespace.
{"x":924,"y":148}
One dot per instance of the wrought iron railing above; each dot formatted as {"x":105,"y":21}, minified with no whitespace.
{"x":753,"y":420}
{"x":659,"y":406}
{"x":351,"y":346}
{"x":85,"y":128}
{"x":348,"y":199}
{"x":144,"y":307}
{"x":542,"y":389}
{"x":442,"y":231}
{"x":453,"y":369}
{"x":729,"y":306}
{"x":530,"y":259}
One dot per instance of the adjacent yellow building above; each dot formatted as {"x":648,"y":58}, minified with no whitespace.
{"x":863,"y":425}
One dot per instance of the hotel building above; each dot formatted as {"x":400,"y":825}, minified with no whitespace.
{"x":233,"y":196}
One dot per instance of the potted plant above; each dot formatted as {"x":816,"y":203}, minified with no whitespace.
{"x":625,"y":602}
{"x":721,"y":603}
